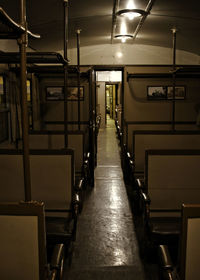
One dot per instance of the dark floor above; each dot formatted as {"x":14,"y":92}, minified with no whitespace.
{"x":106,"y":245}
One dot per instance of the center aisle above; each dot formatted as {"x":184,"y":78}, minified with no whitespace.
{"x":106,"y":245}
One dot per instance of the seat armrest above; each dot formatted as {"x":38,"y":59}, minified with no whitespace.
{"x":145,"y":202}
{"x":79,"y":184}
{"x":86,"y":160}
{"x":170,"y":275}
{"x":76,"y":204}
{"x":128,"y":155}
{"x":168,"y":270}
{"x":57,"y":262}
{"x":57,"y":256}
{"x":164,"y":257}
{"x":145,"y":197}
{"x":88,"y":155}
{"x":140,"y":183}
{"x":76,"y":199}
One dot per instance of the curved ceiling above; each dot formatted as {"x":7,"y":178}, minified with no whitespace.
{"x":95,"y":19}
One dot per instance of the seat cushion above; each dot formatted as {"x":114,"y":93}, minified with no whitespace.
{"x":165,"y":230}
{"x":59,"y":230}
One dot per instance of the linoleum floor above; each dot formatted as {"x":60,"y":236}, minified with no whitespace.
{"x":106,"y":246}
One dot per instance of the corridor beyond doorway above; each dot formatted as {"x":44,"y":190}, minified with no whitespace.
{"x":108,"y":93}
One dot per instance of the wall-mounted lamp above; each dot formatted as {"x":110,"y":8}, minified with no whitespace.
{"x":124,"y":37}
{"x":131,"y":13}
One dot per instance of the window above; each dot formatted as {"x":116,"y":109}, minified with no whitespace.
{"x":29,"y":103}
{"x":2,"y":91}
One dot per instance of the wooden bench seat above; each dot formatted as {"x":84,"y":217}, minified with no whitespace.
{"x":186,"y":263}
{"x":52,"y":182}
{"x":23,"y":251}
{"x":171,"y":178}
{"x":146,"y":140}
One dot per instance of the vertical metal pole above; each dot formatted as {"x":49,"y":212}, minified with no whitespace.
{"x":66,"y":6}
{"x":78,"y":76}
{"x":25,"y":127}
{"x":174,"y":30}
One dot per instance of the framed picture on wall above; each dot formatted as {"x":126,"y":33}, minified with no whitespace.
{"x":156,"y":92}
{"x":179,"y":92}
{"x":56,"y":93}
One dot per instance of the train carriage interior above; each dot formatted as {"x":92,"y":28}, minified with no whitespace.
{"x":99,"y":139}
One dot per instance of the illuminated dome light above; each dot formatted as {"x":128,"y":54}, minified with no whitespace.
{"x":124,"y":37}
{"x":131,"y":13}
{"x":119,"y":54}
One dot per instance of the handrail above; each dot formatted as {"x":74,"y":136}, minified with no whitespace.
{"x":33,"y":57}
{"x":13,"y":30}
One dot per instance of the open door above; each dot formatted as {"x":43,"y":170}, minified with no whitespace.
{"x":93,"y":127}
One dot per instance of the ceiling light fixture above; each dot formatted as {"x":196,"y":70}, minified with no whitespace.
{"x":124,"y":37}
{"x":131,"y":13}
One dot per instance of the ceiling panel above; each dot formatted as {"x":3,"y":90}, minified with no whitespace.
{"x":94,"y":18}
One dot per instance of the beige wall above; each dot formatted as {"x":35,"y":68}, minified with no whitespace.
{"x":108,"y":54}
{"x":54,"y":110}
{"x":138,"y":108}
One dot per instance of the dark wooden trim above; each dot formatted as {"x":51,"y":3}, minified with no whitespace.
{"x":108,"y":68}
{"x":84,"y":141}
{"x":175,"y":152}
{"x":33,"y":57}
{"x":11,"y":152}
{"x":122,"y":96}
{"x":72,"y":175}
{"x":161,"y":132}
{"x":159,"y":122}
{"x":69,"y":122}
{"x":167,"y":132}
{"x":165,"y":210}
{"x":127,"y":123}
{"x":37,"y":152}
{"x":161,"y":75}
{"x":146,"y":173}
{"x":59,"y":210}
{"x":52,"y":152}
{"x":56,"y":132}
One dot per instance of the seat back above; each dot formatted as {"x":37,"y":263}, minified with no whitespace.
{"x":39,"y":141}
{"x":132,"y":126}
{"x":147,"y":140}
{"x":56,"y":140}
{"x":12,"y":176}
{"x":75,"y":142}
{"x":52,"y":178}
{"x":172,"y":177}
{"x":22,"y":241}
{"x":190,"y":243}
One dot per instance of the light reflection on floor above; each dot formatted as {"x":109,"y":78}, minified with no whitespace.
{"x":106,"y":236}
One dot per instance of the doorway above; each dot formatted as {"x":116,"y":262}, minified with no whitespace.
{"x":108,"y":92}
